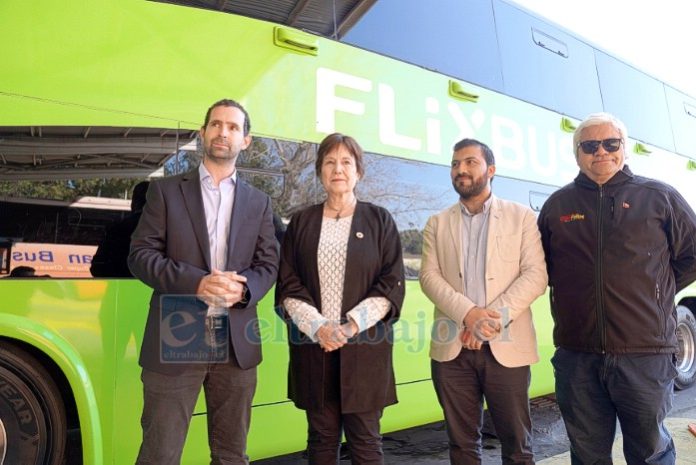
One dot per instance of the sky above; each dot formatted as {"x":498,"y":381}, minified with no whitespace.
{"x":656,"y":37}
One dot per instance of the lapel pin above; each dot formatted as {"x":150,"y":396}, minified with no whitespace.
{"x":359,"y":235}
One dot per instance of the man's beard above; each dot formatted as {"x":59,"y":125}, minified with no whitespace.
{"x":477,"y":186}
{"x":221,"y":156}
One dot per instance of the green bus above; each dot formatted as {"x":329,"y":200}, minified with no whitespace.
{"x":96,"y":96}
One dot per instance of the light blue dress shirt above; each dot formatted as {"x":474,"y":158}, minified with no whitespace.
{"x":217,"y":203}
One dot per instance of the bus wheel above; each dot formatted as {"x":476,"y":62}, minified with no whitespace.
{"x":32,"y":417}
{"x":686,"y":356}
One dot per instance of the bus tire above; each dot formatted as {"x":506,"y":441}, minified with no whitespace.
{"x":686,"y":355}
{"x":33,"y":425}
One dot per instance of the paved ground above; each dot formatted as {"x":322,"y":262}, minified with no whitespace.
{"x":684,"y":441}
{"x":427,"y":445}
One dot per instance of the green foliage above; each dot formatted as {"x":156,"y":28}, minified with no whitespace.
{"x":282,"y":169}
{"x":182,"y":162}
{"x":69,"y":189}
{"x":411,"y":241}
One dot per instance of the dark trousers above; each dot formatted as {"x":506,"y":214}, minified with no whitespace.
{"x":461,"y":385}
{"x":593,"y":390}
{"x":169,"y":404}
{"x":326,"y":425}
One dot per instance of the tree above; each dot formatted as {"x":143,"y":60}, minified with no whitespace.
{"x":412,"y":241}
{"x":69,"y":190}
{"x":284,"y":170}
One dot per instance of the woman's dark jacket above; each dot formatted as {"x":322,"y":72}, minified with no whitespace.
{"x":616,"y":254}
{"x":374,"y":268}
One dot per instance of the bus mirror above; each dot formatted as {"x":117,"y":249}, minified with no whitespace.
{"x":457,"y":91}
{"x":297,"y":41}
{"x":641,"y":149}
{"x":567,"y":125}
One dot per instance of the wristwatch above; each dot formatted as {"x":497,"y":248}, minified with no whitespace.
{"x":245,"y":299}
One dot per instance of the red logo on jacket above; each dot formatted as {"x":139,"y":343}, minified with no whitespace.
{"x":572,"y":217}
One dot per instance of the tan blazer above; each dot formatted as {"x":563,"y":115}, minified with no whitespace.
{"x":515,"y":277}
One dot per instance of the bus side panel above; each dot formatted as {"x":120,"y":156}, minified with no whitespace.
{"x":543,"y":381}
{"x":128,"y":321}
{"x":62,"y":319}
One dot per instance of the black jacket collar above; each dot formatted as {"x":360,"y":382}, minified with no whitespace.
{"x":622,"y":176}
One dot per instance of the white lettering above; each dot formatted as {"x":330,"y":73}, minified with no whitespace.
{"x":550,"y":168}
{"x":328,"y":103}
{"x":387,"y":122}
{"x":508,"y":143}
{"x":433,"y":131}
{"x":527,"y":151}
{"x":569,"y":165}
{"x":465,"y":130}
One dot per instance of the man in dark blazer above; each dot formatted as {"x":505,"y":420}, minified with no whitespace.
{"x":205,"y":243}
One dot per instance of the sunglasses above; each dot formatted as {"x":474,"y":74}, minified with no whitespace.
{"x":591,"y":146}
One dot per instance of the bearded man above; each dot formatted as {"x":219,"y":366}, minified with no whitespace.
{"x":483,"y":265}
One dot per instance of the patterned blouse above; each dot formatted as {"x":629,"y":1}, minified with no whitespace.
{"x":331,"y":259}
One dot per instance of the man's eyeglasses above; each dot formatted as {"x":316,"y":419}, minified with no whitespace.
{"x":591,"y":146}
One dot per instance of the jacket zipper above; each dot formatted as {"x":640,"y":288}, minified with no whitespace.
{"x":658,"y":296}
{"x":659,"y":306}
{"x":598,"y":271}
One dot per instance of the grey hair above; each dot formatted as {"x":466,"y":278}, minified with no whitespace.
{"x":596,"y":119}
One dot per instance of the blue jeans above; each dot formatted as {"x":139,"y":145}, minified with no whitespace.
{"x":593,"y":390}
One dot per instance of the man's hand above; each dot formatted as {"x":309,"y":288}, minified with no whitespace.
{"x":483,"y":323}
{"x":469,"y":341}
{"x":221,"y":289}
{"x":330,"y":336}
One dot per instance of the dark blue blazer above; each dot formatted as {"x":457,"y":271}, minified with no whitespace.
{"x":170,"y":252}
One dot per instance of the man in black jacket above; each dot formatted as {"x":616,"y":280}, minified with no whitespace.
{"x":618,"y":247}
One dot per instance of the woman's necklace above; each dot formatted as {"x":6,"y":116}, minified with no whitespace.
{"x":340,"y":210}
